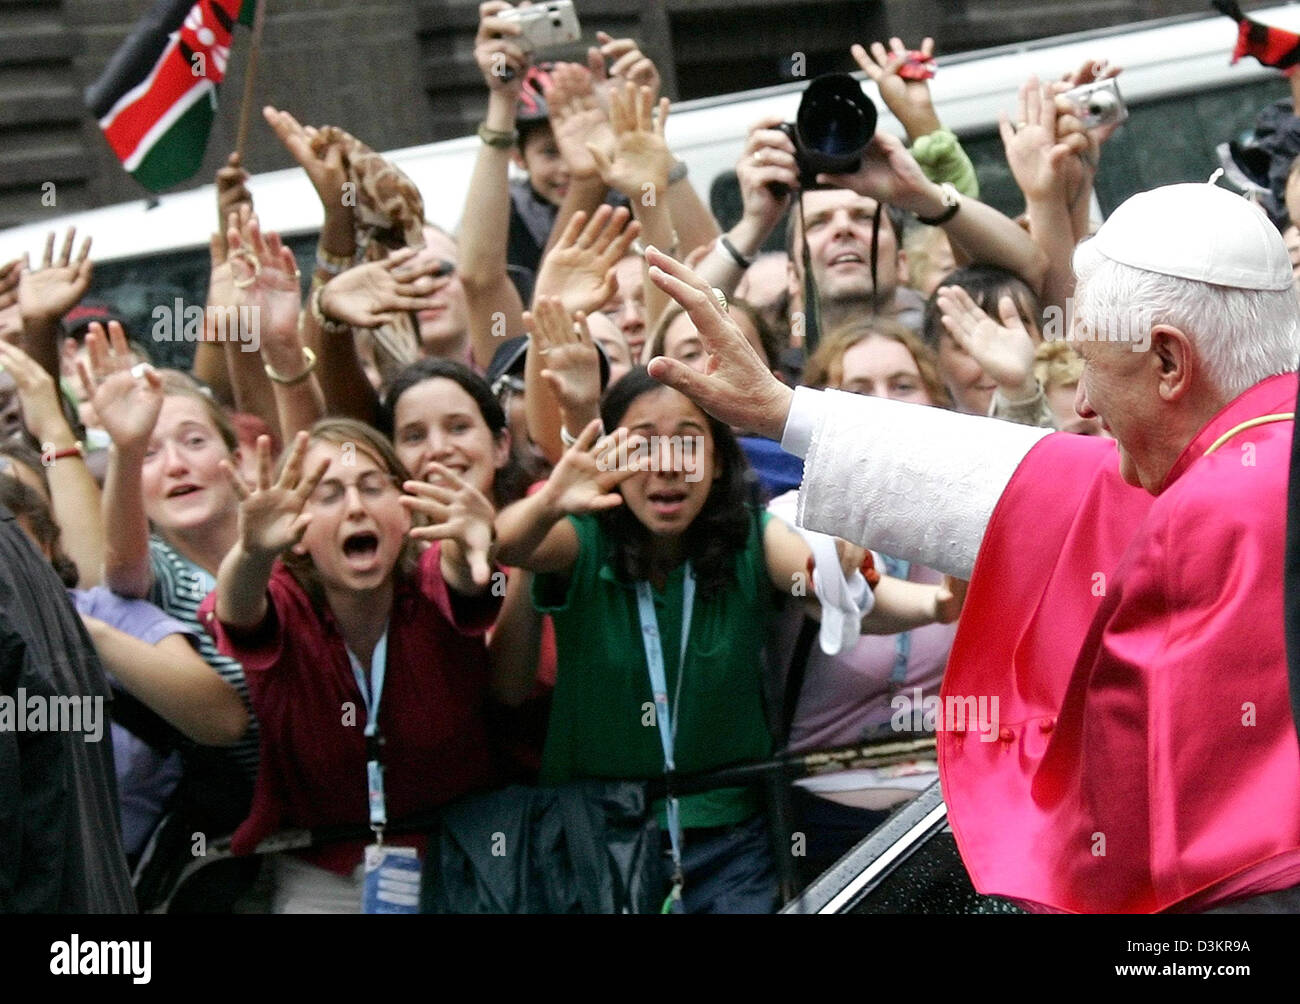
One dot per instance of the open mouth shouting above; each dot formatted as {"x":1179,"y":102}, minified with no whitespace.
{"x":361,"y":550}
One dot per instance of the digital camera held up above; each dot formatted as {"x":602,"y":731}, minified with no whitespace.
{"x":831,"y":131}
{"x":1098,"y":104}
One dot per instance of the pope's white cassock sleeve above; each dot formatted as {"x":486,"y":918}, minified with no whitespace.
{"x":910,"y":481}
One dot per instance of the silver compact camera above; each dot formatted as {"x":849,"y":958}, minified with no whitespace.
{"x":1098,"y":104}
{"x":545,"y":25}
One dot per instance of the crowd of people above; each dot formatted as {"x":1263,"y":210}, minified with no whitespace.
{"x":444,"y":534}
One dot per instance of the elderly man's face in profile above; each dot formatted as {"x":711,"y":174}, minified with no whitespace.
{"x":1116,"y":388}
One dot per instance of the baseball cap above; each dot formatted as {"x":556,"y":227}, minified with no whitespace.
{"x":1194,"y":231}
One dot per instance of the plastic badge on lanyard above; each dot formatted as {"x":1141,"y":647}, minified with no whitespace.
{"x":392,"y":880}
{"x":654,"y":657}
{"x":392,"y":883}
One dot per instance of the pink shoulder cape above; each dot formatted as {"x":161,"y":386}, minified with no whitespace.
{"x":1139,"y":752}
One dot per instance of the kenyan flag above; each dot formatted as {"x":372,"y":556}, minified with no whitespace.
{"x":156,"y":98}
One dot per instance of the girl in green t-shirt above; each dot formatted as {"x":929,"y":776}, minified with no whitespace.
{"x":641,"y":538}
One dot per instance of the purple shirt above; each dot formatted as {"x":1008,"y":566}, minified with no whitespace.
{"x":846,"y":697}
{"x":145,"y":777}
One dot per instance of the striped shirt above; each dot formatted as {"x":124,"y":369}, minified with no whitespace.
{"x":179,"y":587}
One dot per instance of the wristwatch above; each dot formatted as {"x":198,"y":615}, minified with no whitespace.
{"x":952,"y":202}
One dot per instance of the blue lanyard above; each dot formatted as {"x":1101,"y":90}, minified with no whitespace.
{"x":654,"y":657}
{"x":374,"y":763}
{"x":899,"y":569}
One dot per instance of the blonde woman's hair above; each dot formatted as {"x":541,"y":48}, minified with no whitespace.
{"x":178,"y":384}
{"x":826,"y":367}
{"x":1057,"y":365}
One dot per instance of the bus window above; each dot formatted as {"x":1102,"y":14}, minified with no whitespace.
{"x":1173,"y":139}
{"x":1164,"y":142}
{"x":135,"y":287}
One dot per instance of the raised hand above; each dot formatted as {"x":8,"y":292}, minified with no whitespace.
{"x":368,"y":295}
{"x":909,"y":99}
{"x":571,"y":359}
{"x":271,"y":512}
{"x":736,"y":386}
{"x":10,"y":274}
{"x":232,"y":193}
{"x":642,"y":160}
{"x":1090,"y":72}
{"x":768,"y":160}
{"x":11,"y":319}
{"x":890,"y":174}
{"x":457,"y":511}
{"x":39,"y":398}
{"x":585,"y":478}
{"x":127,"y":397}
{"x":501,"y":59}
{"x":221,"y":279}
{"x":629,"y":63}
{"x":578,"y":119}
{"x":1039,"y":161}
{"x":579,"y":269}
{"x":264,"y":274}
{"x":1005,"y":351}
{"x":47,"y":293}
{"x":323,"y":162}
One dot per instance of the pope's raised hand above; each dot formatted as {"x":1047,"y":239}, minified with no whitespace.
{"x":736,"y":386}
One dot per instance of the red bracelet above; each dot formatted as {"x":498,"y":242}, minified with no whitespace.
{"x":868,"y":568}
{"x":869,"y":571}
{"x":75,"y":450}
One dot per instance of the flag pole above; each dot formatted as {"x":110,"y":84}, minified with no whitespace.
{"x":250,"y":76}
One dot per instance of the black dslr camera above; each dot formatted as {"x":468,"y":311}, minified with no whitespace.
{"x":831,"y":131}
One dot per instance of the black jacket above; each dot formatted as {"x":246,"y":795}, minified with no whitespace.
{"x":60,"y":837}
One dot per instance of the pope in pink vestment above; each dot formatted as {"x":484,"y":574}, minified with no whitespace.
{"x":1146,"y":757}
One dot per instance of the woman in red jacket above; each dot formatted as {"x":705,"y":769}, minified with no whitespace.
{"x":364,"y":656}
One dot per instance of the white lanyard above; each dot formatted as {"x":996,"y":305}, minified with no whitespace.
{"x":654,"y":657}
{"x":374,"y":742}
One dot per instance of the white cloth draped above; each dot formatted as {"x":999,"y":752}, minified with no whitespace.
{"x":915,"y":482}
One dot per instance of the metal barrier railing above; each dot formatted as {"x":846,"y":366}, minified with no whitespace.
{"x":774,"y":775}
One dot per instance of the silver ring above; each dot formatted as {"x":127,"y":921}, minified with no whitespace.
{"x":140,"y":369}
{"x":721,"y":297}
{"x":255,"y":264}
{"x":758,"y":156}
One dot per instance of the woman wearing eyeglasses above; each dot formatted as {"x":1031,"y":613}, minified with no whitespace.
{"x":364,"y":655}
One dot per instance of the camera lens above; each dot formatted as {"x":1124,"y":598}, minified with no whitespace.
{"x":1101,"y":104}
{"x":835,"y":124}
{"x":836,"y":128}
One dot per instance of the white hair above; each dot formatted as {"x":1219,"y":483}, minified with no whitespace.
{"x":1241,"y":335}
